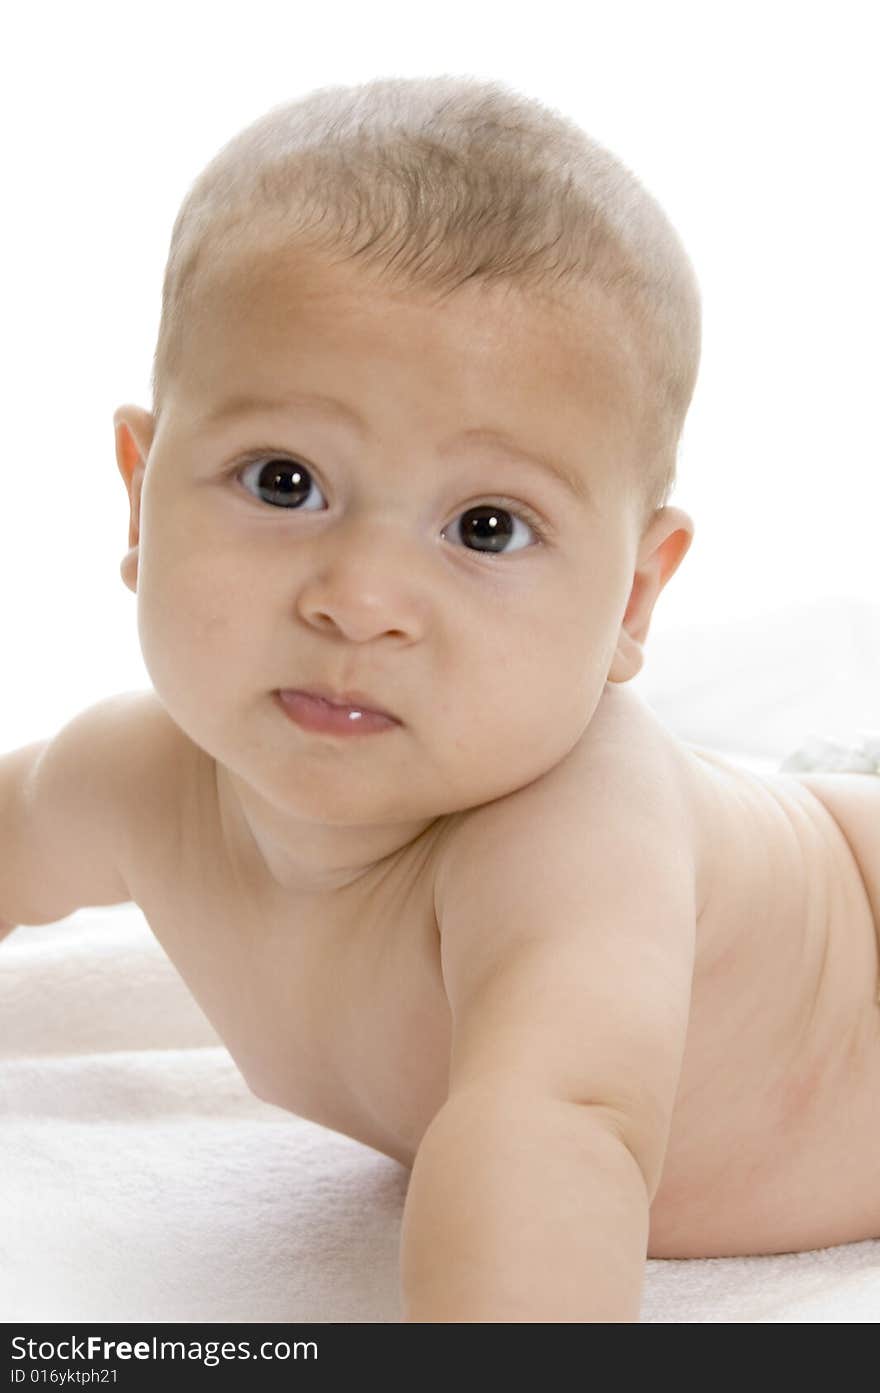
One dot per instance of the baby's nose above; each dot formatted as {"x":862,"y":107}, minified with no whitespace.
{"x":364,"y":591}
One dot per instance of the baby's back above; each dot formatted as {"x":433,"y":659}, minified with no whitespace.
{"x":334,"y":1007}
{"x":776,"y":1130}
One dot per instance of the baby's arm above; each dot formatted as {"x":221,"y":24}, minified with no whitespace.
{"x":64,"y":816}
{"x":568,"y":930}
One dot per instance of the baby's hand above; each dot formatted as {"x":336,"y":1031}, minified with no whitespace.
{"x":6,"y":928}
{"x":523,"y":1207}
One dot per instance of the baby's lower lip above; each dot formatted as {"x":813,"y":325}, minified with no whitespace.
{"x":311,"y":713}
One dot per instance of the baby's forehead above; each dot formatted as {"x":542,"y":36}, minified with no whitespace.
{"x":281,"y":275}
{"x":569,"y":342}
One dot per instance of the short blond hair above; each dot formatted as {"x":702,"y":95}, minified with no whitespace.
{"x":437,"y":181}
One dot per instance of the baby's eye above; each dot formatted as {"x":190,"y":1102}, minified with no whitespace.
{"x":486,"y":527}
{"x":286,"y":482}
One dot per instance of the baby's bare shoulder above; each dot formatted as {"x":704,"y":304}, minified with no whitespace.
{"x":143,"y":763}
{"x":567,"y":917}
{"x":89,"y":789}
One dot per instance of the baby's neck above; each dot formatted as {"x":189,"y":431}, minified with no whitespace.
{"x":304,"y":857}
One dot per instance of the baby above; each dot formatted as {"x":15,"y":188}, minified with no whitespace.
{"x":440,"y":880}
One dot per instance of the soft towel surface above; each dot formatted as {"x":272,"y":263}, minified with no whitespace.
{"x":140,"y":1181}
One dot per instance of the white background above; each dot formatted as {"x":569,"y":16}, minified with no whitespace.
{"x":755,"y":125}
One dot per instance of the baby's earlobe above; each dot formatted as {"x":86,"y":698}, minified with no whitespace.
{"x":128,"y":569}
{"x":628,"y":660}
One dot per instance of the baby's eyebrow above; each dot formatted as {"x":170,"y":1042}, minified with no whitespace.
{"x":248,"y":404}
{"x":570,"y":479}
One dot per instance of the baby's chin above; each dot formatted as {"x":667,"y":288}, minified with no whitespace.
{"x":346,"y":792}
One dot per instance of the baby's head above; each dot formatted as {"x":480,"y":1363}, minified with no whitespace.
{"x":473,"y":531}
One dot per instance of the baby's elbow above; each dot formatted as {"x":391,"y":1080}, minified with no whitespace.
{"x":642,"y":1131}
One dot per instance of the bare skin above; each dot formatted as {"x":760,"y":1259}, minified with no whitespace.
{"x":526,"y":911}
{"x":335,"y":1008}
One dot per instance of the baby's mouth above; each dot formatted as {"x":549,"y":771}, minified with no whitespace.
{"x":315,"y":712}
{"x":348,"y":701}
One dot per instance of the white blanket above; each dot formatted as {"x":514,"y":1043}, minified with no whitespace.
{"x":140,"y":1181}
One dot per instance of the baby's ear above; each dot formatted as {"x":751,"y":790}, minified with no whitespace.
{"x":134,"y":429}
{"x":663,"y":547}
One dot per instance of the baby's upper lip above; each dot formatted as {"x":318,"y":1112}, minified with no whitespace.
{"x":361,"y":701}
